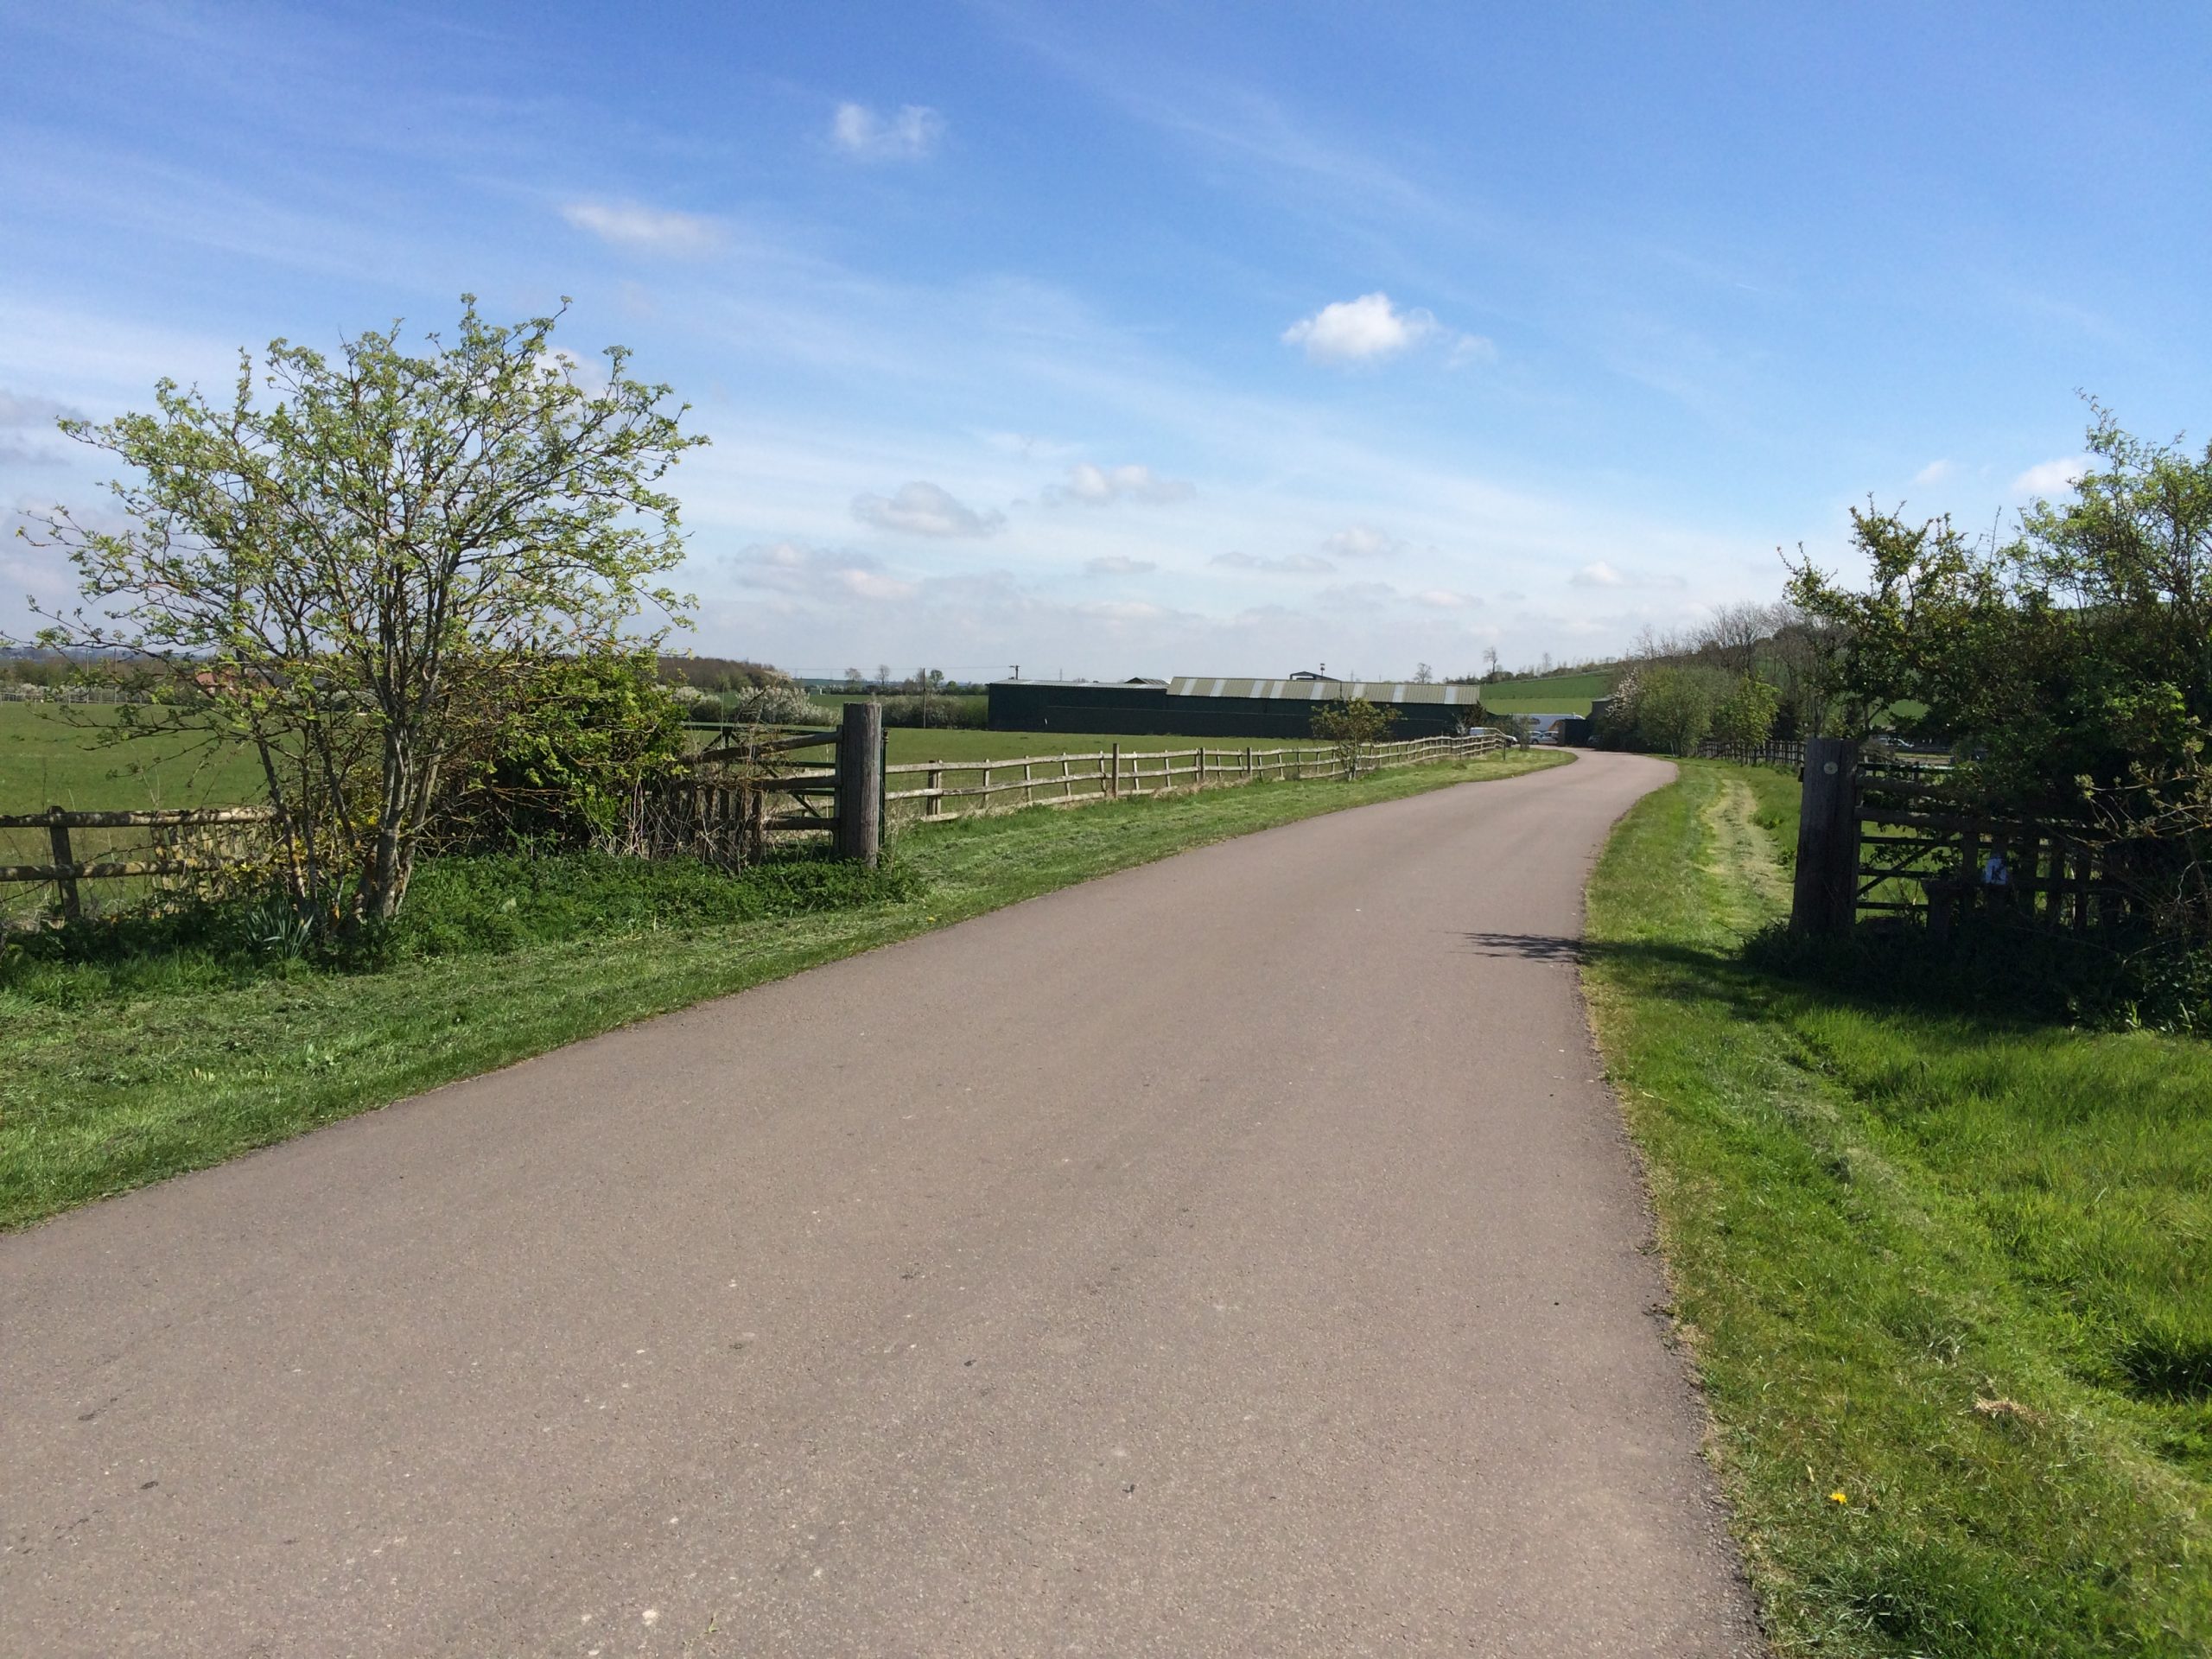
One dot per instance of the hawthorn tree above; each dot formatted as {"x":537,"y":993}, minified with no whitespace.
{"x":2072,"y":664}
{"x":357,"y":565}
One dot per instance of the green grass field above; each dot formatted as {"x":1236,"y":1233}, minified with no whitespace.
{"x":51,"y":756}
{"x":1948,"y":1283}
{"x":1561,"y":694}
{"x":56,"y":756}
{"x":118,"y":1072}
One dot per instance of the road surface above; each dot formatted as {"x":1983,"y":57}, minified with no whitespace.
{"x":1235,"y":1256}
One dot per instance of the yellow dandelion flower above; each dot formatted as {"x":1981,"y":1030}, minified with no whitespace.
{"x":1838,"y":1497}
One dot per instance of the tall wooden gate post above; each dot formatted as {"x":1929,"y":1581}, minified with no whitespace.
{"x":860,"y":784}
{"x":1826,"y":896}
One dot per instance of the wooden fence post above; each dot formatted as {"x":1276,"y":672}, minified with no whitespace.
{"x":1114,"y":789}
{"x":57,"y":835}
{"x":860,"y":784}
{"x":1825,"y":897}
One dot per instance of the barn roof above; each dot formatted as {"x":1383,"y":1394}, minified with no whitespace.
{"x":1326,"y":690}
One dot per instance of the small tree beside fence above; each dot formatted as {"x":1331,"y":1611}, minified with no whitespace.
{"x":1353,"y":729}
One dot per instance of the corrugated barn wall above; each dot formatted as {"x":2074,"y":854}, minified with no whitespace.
{"x":1193,"y":708}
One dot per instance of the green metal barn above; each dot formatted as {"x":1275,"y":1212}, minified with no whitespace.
{"x":1188,"y":707}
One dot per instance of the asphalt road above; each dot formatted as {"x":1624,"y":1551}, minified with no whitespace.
{"x":1235,"y":1256}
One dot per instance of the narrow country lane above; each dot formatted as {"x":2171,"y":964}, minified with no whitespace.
{"x":1237,"y":1255}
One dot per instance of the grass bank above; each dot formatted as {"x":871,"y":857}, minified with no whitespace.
{"x":1947,"y":1279}
{"x":146,"y":1062}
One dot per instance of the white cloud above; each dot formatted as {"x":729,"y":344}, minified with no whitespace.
{"x":2051,"y":477}
{"x":1290,"y":564}
{"x":1363,"y":542}
{"x":1097,"y":485}
{"x":1934,"y":471}
{"x":1444,"y":599}
{"x":1111,"y":610}
{"x":1370,"y":328}
{"x":1118,"y":564}
{"x":906,"y":136}
{"x":818,"y":575}
{"x":1602,"y":575}
{"x":922,"y":509}
{"x":650,"y":229}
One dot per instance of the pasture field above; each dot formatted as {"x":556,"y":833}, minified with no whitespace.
{"x":1562,"y":694}
{"x":163,"y":1054}
{"x":52,"y":755}
{"x":1946,"y":1277}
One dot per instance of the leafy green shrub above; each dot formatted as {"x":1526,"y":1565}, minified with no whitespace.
{"x":1744,"y":718}
{"x":568,"y":758}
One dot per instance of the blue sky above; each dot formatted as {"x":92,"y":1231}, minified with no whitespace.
{"x":1130,"y":338}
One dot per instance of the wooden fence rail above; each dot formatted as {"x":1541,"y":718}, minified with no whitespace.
{"x":1787,"y":753}
{"x":174,"y":856}
{"x":1114,"y":773}
{"x":746,"y":787}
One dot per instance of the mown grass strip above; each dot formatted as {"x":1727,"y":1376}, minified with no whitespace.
{"x":1948,"y":1283}
{"x":111,"y":1079}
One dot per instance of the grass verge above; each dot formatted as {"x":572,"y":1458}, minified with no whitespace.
{"x":116,"y":1072}
{"x":1947,"y":1281}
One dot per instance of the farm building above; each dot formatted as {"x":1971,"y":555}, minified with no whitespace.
{"x":1187,"y":706}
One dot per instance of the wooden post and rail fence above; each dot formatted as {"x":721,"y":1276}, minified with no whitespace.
{"x":172,"y":853}
{"x":1878,"y":838}
{"x":747,"y":786}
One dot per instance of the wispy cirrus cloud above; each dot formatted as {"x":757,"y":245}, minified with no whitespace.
{"x":908,"y":135}
{"x":648,"y":230}
{"x":920,"y":508}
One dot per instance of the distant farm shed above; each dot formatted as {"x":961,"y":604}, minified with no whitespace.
{"x":1197,"y":707}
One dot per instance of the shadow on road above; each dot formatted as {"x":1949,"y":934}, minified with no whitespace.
{"x":1534,"y":947}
